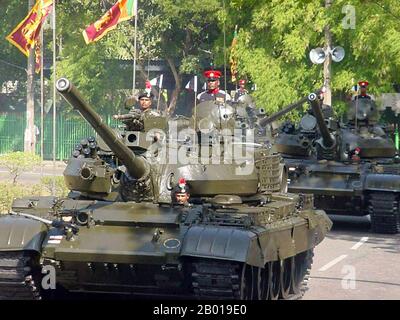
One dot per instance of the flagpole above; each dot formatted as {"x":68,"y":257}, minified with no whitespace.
{"x":41,"y":100}
{"x":54,"y":96}
{"x":135,"y":47}
{"x":195,"y":110}
{"x":158,"y":101}
{"x":159,"y":92}
{"x":195,"y":101}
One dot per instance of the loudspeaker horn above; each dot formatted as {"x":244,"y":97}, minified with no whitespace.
{"x":337,"y":54}
{"x":317,"y":56}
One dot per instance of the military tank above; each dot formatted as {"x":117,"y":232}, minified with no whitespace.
{"x":240,"y":238}
{"x":351,"y":166}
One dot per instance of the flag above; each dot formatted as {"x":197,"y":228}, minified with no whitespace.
{"x":192,"y":84}
{"x":158,"y":81}
{"x":25,"y":34}
{"x":233,"y":57}
{"x":122,"y":10}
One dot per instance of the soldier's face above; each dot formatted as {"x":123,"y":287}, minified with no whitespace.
{"x":363,"y":90}
{"x":182,"y":198}
{"x":212,"y":84}
{"x":145,"y":103}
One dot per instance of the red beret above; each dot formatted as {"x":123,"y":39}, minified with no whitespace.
{"x":242,"y":81}
{"x":212,"y":74}
{"x":363,"y":83}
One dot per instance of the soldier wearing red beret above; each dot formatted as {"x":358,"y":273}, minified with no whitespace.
{"x":363,"y":85}
{"x":241,"y":91}
{"x":213,"y":92}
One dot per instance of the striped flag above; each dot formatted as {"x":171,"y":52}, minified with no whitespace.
{"x":122,"y":10}
{"x":27,"y":32}
{"x":158,"y":81}
{"x":192,"y":84}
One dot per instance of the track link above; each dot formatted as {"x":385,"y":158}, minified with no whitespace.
{"x":221,"y":280}
{"x":17,"y":276}
{"x":384,"y":212}
{"x":216,"y":280}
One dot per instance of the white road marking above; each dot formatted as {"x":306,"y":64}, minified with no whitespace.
{"x":359,"y":243}
{"x":333,"y":262}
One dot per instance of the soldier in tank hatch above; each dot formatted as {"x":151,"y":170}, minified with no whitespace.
{"x":213,"y":92}
{"x":241,"y":91}
{"x":181,"y":193}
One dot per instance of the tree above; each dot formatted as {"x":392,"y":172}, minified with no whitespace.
{"x":275,"y":39}
{"x":175,"y":31}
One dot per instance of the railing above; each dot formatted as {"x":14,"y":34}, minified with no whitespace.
{"x":69,"y":132}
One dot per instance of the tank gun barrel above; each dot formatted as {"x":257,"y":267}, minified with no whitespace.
{"x":327,"y":139}
{"x":136,"y":166}
{"x":267,"y":120}
{"x":124,"y":116}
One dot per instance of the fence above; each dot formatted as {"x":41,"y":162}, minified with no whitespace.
{"x":69,"y":132}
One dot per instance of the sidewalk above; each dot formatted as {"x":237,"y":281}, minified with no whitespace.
{"x":58,"y":164}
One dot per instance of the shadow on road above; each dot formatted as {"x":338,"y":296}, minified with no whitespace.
{"x":354,"y":228}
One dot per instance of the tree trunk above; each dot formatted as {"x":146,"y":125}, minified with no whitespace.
{"x":178,"y":86}
{"x":30,"y":138}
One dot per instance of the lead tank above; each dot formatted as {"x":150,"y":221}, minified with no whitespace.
{"x":119,"y":232}
{"x":351,"y":166}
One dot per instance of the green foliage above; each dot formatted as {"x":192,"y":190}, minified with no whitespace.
{"x":12,"y":61}
{"x":18,"y":162}
{"x":10,"y":191}
{"x":61,"y":189}
{"x":275,"y":38}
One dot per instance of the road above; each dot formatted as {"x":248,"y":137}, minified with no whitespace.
{"x":354,"y":264}
{"x":33,"y":176}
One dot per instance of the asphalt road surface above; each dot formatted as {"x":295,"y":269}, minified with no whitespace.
{"x":354,"y":264}
{"x":34,"y":176}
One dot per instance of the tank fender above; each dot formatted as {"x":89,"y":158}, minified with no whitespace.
{"x":382,"y":182}
{"x":225,"y":243}
{"x":19,"y":233}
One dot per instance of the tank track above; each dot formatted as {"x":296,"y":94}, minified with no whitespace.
{"x":220,"y":280}
{"x":306,"y":275}
{"x":17,"y":276}
{"x":216,"y":280}
{"x":384,"y":211}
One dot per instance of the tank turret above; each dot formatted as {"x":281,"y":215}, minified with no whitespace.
{"x":290,"y":141}
{"x":137,"y":166}
{"x":327,"y":143}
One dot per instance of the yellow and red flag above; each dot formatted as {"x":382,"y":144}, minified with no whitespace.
{"x":25,"y":34}
{"x":122,"y":10}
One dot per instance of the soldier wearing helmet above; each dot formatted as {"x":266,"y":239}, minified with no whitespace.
{"x":213,"y":92}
